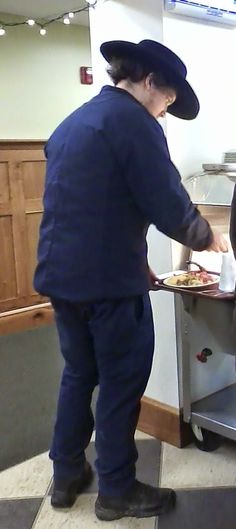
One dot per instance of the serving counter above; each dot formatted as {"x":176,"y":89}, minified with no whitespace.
{"x":206,"y":330}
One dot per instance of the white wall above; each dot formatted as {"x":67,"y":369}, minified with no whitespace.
{"x":209,"y":52}
{"x":163,"y":382}
{"x":40,"y":78}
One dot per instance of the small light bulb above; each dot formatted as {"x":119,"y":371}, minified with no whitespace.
{"x":42,"y":31}
{"x":71,"y":15}
{"x":66,"y":21}
{"x":2,"y":32}
{"x":31,"y":22}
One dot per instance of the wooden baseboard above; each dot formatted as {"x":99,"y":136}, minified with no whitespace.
{"x":164,"y":422}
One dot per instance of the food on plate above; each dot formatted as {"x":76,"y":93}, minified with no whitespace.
{"x":191,"y":279}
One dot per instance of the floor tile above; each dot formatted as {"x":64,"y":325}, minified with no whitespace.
{"x":190,"y":467}
{"x":27,"y":479}
{"x":138,"y":435}
{"x":142,"y":435}
{"x":202,"y":509}
{"x":147,"y":465}
{"x":18,"y":514}
{"x":82,"y":516}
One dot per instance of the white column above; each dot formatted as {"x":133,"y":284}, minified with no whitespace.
{"x":135,"y":20}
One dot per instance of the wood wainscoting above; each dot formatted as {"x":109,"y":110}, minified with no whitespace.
{"x":22,"y":174}
{"x":164,"y":422}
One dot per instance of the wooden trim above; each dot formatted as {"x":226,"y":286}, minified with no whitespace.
{"x":33,"y":205}
{"x":26,"y":318}
{"x":23,"y":154}
{"x":164,"y":422}
{"x":5,"y":210}
{"x":21,"y":303}
{"x":18,"y":144}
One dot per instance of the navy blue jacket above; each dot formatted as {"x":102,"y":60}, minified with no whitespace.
{"x":109,"y":176}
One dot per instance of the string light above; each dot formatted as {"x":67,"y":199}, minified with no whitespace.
{"x":42,"y":31}
{"x":42,"y":23}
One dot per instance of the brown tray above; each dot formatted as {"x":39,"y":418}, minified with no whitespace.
{"x":213,"y":293}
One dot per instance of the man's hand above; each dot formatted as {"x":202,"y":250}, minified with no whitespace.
{"x":153,"y":279}
{"x":219,"y":243}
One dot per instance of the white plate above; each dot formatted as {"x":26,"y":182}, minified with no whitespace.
{"x":204,"y":286}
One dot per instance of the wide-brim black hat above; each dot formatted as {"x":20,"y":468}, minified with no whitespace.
{"x":158,"y":58}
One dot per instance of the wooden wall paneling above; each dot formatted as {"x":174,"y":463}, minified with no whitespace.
{"x":33,"y":176}
{"x":28,"y":318}
{"x":4,"y":184}
{"x":22,"y":173}
{"x":19,"y":227}
{"x":21,"y":155}
{"x":8,"y":283}
{"x":32,"y":229}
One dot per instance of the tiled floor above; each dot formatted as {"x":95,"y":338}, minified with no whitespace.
{"x":205,"y":484}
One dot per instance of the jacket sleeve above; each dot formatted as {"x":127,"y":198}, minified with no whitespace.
{"x":46,"y":150}
{"x":156,"y":187}
{"x":233,"y":223}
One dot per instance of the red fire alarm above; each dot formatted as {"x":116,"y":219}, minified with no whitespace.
{"x":86,"y":75}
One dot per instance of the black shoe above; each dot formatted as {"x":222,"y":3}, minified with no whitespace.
{"x":140,"y":501}
{"x":65,"y":493}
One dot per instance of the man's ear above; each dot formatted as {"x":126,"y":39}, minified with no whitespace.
{"x":148,"y":81}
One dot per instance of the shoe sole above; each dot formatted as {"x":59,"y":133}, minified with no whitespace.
{"x":81,"y":488}
{"x":108,"y":515}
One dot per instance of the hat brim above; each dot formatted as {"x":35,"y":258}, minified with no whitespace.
{"x":186,"y":105}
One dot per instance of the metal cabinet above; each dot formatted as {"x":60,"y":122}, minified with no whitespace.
{"x":207,"y":323}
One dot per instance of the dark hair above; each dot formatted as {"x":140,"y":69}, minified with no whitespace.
{"x":121,"y":69}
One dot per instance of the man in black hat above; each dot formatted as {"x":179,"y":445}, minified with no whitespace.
{"x":109,"y":176}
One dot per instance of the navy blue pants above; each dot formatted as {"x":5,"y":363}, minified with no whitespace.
{"x":109,"y":343}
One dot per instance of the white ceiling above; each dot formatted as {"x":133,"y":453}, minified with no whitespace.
{"x":44,"y":8}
